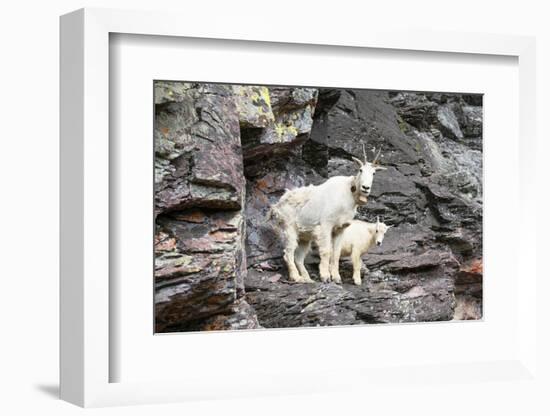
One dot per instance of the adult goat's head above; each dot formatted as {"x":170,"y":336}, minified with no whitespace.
{"x":365,"y":176}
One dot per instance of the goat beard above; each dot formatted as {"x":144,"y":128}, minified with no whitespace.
{"x":362,"y":199}
{"x":359,"y":197}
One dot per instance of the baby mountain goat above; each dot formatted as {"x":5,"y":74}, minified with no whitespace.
{"x":318,"y":214}
{"x":356,"y":240}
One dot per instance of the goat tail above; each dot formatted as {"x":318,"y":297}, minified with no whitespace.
{"x":273,"y":218}
{"x":269,"y":215}
{"x":272,"y":215}
{"x":276,"y":216}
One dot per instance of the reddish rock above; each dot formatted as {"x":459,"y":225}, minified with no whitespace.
{"x":193,"y":215}
{"x":199,"y":191}
{"x":469,"y":290}
{"x":474,"y":268}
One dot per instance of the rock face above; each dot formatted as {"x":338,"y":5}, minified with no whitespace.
{"x":224,"y":154}
{"x":198,"y":159}
{"x":411,"y":289}
{"x":200,"y":263}
{"x":288,"y":120}
{"x":431,"y":193}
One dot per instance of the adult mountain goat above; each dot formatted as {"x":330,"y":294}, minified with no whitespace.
{"x":355,"y":241}
{"x":319,"y":214}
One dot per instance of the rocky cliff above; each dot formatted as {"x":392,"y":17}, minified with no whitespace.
{"x":225,"y":153}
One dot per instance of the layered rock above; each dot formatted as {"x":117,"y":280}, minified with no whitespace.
{"x":198,"y":159}
{"x":199,"y":203}
{"x":413,"y":289}
{"x":288,"y":121}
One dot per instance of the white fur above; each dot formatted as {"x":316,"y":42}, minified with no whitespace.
{"x":319,"y":213}
{"x":356,"y":240}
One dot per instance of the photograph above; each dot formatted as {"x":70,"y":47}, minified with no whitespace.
{"x":303,"y":206}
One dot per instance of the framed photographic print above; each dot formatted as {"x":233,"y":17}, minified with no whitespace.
{"x":298,"y":212}
{"x":248,"y":178}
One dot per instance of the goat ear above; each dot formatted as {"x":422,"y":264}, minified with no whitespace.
{"x":357,"y":161}
{"x":380,"y":168}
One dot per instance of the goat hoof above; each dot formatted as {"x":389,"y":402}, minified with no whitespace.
{"x":306,"y":278}
{"x":336,"y":279}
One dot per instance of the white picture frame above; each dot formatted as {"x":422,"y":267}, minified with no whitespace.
{"x":86,"y":356}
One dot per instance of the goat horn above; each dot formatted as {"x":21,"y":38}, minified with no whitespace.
{"x":377,"y":156}
{"x":364,"y":153}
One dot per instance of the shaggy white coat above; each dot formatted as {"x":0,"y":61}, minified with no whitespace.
{"x":356,"y":240}
{"x":320,"y":213}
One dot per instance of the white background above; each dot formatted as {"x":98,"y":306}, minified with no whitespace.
{"x":29,"y":163}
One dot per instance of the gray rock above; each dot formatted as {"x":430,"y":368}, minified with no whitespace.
{"x":448,"y":122}
{"x":431,"y":192}
{"x":254,"y":106}
{"x":472,"y":121}
{"x":455,"y":165}
{"x":200,"y":262}
{"x":172,"y":92}
{"x":292,"y":118}
{"x":198,"y":158}
{"x":473,"y":99}
{"x":414,"y":109}
{"x":283,"y":304}
{"x":264,"y":189}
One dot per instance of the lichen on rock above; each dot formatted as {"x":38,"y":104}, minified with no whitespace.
{"x":254,"y":106}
